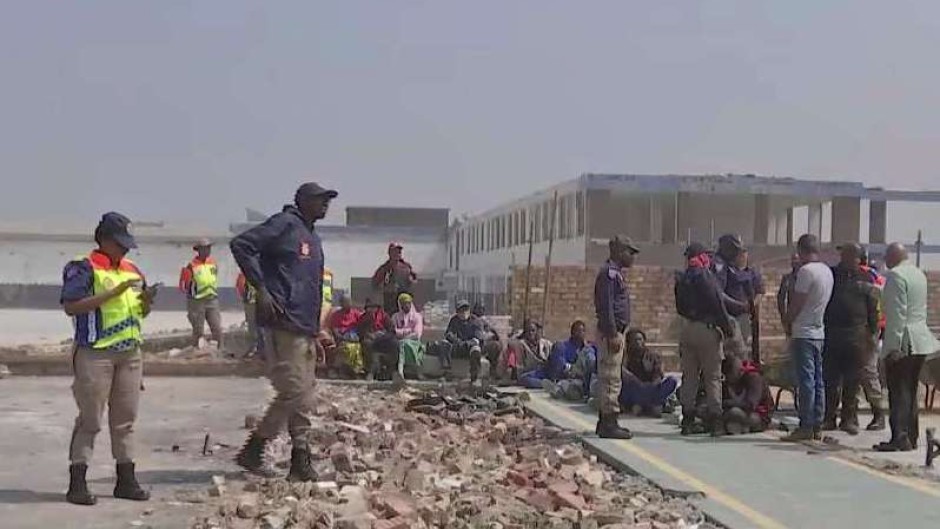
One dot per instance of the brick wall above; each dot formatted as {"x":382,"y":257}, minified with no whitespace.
{"x":651,"y":294}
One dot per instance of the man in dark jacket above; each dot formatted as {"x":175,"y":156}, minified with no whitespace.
{"x":282,"y":258}
{"x":706,"y":324}
{"x":736,"y":290}
{"x":465,"y":336}
{"x":851,"y":330}
{"x":612,"y":305}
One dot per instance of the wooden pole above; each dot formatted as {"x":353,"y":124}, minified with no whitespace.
{"x":918,"y":245}
{"x":528,"y":273}
{"x":548,"y":260}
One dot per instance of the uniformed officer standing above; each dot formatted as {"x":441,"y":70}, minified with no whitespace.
{"x":107,"y":296}
{"x":612,"y":304}
{"x":735,"y":287}
{"x":199,"y":280}
{"x":282,"y":259}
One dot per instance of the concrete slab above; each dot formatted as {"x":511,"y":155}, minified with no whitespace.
{"x":758,"y":481}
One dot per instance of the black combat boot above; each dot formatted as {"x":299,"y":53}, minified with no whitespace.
{"x":689,"y":426}
{"x":877,"y":421}
{"x":251,"y":456}
{"x":300,"y":468}
{"x":127,"y":487}
{"x":607,"y":428}
{"x":78,"y":487}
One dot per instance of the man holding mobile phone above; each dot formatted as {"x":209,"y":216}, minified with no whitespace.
{"x":108,"y":298}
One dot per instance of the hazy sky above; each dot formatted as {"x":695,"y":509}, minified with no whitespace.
{"x":194,"y":110}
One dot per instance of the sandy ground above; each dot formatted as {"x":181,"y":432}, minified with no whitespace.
{"x":43,"y":327}
{"x":36,"y":417}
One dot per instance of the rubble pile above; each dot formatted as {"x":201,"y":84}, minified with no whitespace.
{"x":421,"y":460}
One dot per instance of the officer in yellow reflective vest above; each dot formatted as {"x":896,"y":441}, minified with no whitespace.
{"x":199,"y":280}
{"x":107,"y":296}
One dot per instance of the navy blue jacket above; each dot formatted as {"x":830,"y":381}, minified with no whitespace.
{"x":285,"y":256}
{"x":736,"y":285}
{"x":707,"y":299}
{"x":611,"y":300}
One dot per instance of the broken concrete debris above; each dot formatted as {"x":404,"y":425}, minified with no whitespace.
{"x":445,"y":459}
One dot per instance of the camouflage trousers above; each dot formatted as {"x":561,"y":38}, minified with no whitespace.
{"x":609,"y":365}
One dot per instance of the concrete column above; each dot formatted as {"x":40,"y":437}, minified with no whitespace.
{"x":878,"y":222}
{"x":783,"y":227}
{"x":814,"y":225}
{"x":669,"y":209}
{"x":846,"y":219}
{"x":763,"y":231}
{"x":789,"y":236}
{"x":656,"y":219}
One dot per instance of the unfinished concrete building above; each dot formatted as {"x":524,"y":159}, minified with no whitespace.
{"x":661,"y":213}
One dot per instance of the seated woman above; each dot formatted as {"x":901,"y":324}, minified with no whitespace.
{"x":645,"y":388}
{"x":524,"y":360}
{"x":571,"y":365}
{"x":379,"y":345}
{"x":746,"y":400}
{"x":341,"y":324}
{"x":409,"y":326}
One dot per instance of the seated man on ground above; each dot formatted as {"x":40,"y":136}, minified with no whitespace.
{"x":463,"y":337}
{"x":645,"y":389}
{"x":746,"y":399}
{"x":409,"y":326}
{"x":379,"y":345}
{"x":342,"y":327}
{"x":571,"y":365}
{"x":525,"y":358}
{"x":490,"y":343}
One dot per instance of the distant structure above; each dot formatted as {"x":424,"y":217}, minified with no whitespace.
{"x":32,"y":254}
{"x":660,"y":213}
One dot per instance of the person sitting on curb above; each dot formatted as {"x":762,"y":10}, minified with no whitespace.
{"x":526,"y":357}
{"x":379,"y":345}
{"x":571,"y":365}
{"x":409,"y":326}
{"x":645,"y":388}
{"x":746,"y":399}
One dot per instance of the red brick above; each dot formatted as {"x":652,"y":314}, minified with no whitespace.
{"x":570,"y":500}
{"x":397,"y":522}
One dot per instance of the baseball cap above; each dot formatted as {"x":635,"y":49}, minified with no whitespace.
{"x":313,"y":189}
{"x":202,"y":243}
{"x":695,"y":249}
{"x":463,"y":304}
{"x":731,"y":241}
{"x":394,"y":244}
{"x":622,"y":242}
{"x":116,"y":227}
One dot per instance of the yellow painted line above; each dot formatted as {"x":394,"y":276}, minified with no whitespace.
{"x":912,"y":483}
{"x":758,"y":519}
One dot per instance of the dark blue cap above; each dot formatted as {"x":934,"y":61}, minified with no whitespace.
{"x":116,"y":227}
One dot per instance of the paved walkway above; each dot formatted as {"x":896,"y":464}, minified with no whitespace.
{"x":756,"y":481}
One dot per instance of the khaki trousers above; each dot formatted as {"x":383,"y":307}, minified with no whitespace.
{"x":105,"y":378}
{"x":609,"y":366}
{"x":292,"y":361}
{"x":200,"y":311}
{"x":700,"y":354}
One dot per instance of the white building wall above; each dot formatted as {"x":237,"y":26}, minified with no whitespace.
{"x":41,"y":262}
{"x":348,"y":258}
